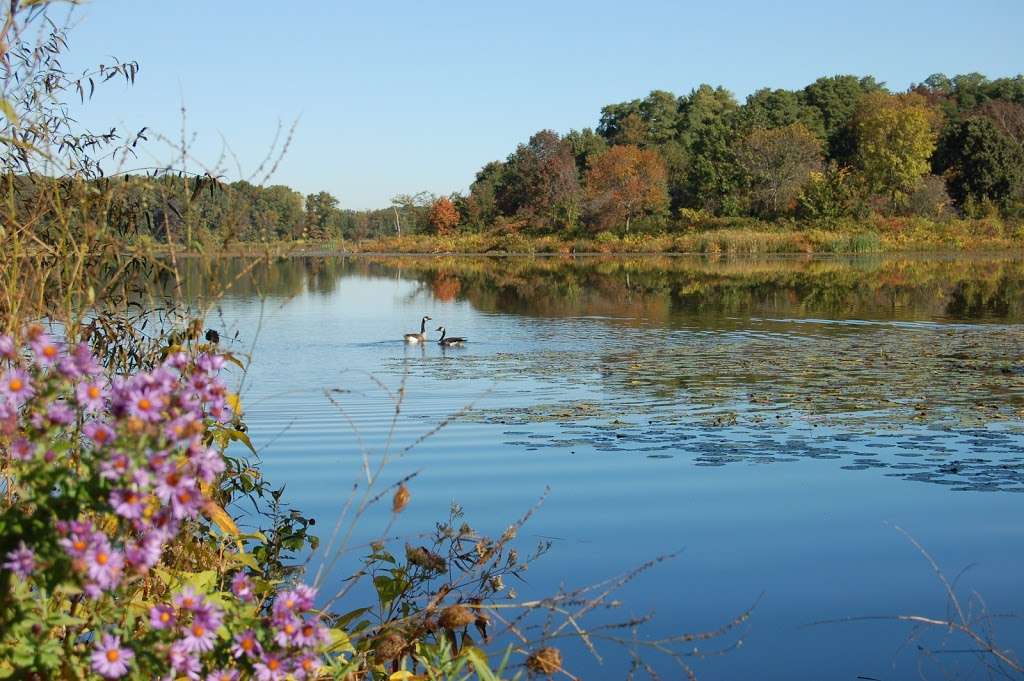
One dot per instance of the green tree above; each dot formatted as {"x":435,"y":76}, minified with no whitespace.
{"x":896,"y":135}
{"x":480,"y":208}
{"x":323,"y":219}
{"x":982,"y":163}
{"x":837,"y":98}
{"x":707,"y":133}
{"x":778,"y":108}
{"x":585,"y":144}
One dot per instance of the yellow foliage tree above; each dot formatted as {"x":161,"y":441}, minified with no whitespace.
{"x":896,"y":136}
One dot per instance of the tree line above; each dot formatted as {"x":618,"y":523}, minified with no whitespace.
{"x":841,"y":147}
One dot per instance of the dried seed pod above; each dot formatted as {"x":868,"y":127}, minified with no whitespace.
{"x":455,"y":617}
{"x":388,"y":647}
{"x":401,"y":499}
{"x":545,"y":661}
{"x":425,"y":558}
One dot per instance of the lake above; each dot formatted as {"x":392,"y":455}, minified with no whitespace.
{"x":772,"y":420}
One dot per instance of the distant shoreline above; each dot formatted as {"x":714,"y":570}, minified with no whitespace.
{"x":911,"y":235}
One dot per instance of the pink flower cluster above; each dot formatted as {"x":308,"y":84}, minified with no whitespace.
{"x":285,"y":641}
{"x":142,"y":437}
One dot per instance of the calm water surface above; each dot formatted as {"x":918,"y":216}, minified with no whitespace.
{"x":772,"y":419}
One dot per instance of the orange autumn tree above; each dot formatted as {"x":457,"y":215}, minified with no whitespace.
{"x":624,"y":183}
{"x":444,"y":216}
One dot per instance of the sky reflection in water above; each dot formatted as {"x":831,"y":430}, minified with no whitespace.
{"x":651,"y":395}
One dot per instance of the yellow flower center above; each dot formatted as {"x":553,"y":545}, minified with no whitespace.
{"x":113,"y":655}
{"x":246,"y":644}
{"x":145,"y":404}
{"x":50,"y":351}
{"x":197,"y":630}
{"x":16,"y":384}
{"x":165,"y":616}
{"x":102,"y":558}
{"x":273,"y":664}
{"x":93,"y":392}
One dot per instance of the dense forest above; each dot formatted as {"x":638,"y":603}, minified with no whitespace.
{"x":844,"y":147}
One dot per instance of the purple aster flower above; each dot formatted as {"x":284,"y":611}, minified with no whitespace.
{"x":93,"y":394}
{"x":162,"y":616}
{"x":109,"y":659}
{"x":127,"y":503}
{"x":104,"y":565}
{"x":78,"y":536}
{"x":67,"y":368}
{"x":208,"y":464}
{"x":241,"y":586}
{"x":286,"y":626}
{"x":219,"y":411}
{"x":21,"y":561}
{"x":84,"y":360}
{"x":179,"y":430}
{"x":145,"y":405}
{"x":307,"y":667}
{"x":100,"y":433}
{"x":146,"y":553}
{"x":289,"y":601}
{"x":115,"y":466}
{"x":246,"y":645}
{"x":198,"y":638}
{"x":209,"y":364}
{"x":208,"y":615}
{"x":183,"y":661}
{"x":16,"y":386}
{"x":310,"y":634}
{"x":305,"y":595}
{"x":8,"y":418}
{"x":22,"y":449}
{"x":176,"y":360}
{"x":7,"y":350}
{"x":188,"y":599}
{"x":181,"y":491}
{"x":270,"y":668}
{"x":60,"y":414}
{"x":47,"y":350}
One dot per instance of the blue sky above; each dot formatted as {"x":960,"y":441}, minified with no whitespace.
{"x":398,"y":97}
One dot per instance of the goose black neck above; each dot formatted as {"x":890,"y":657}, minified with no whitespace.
{"x":423,"y":326}
{"x":443,"y":334}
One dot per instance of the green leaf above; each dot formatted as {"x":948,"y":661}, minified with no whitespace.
{"x":345,"y":619}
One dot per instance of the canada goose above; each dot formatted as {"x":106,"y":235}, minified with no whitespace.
{"x":445,"y":342}
{"x":422,"y":335}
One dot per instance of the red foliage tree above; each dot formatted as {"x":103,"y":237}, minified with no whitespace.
{"x":626,"y":182}
{"x":444,"y":216}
